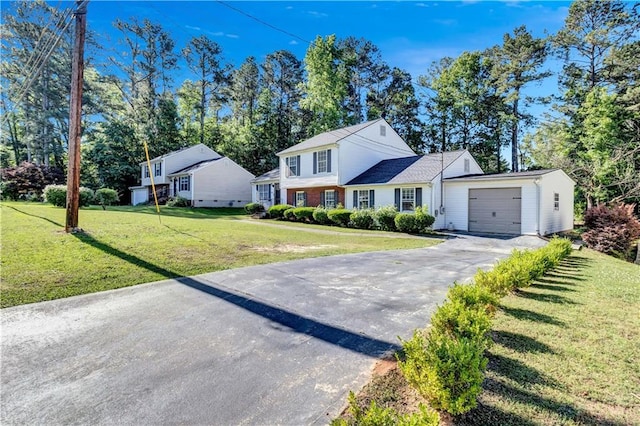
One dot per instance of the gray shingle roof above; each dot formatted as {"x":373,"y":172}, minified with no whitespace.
{"x":414,"y":169}
{"x":330,"y":137}
{"x":515,"y":175}
{"x":194,"y":166}
{"x":270,"y":175}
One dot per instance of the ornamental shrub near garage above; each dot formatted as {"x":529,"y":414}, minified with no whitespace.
{"x":277,"y":211}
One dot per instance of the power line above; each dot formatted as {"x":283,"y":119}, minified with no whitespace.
{"x":266,"y":24}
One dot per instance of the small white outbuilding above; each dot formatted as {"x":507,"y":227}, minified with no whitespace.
{"x":538,"y":202}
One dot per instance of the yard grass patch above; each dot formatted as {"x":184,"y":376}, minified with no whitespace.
{"x":123,"y":246}
{"x":566,"y":351}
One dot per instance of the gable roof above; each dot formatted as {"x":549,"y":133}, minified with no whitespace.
{"x":270,"y":175}
{"x":330,"y":137}
{"x":418,"y":168}
{"x":169,"y":154}
{"x":194,"y":167}
{"x":504,"y":176}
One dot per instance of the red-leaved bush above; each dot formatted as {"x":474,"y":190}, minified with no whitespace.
{"x":611,"y":230}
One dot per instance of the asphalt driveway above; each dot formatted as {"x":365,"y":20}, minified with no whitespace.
{"x":273,"y":344}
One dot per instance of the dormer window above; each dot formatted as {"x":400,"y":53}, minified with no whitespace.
{"x":322,"y":161}
{"x":157,"y":169}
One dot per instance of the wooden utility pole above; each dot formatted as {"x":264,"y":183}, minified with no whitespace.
{"x":75,"y":118}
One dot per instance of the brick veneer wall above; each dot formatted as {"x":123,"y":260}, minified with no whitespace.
{"x":313,"y":195}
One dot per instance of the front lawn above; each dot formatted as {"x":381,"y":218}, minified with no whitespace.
{"x":123,"y":246}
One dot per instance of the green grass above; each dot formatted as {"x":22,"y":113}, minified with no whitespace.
{"x":567,"y":349}
{"x":123,"y":246}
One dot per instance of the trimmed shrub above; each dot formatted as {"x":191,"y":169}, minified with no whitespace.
{"x":106,"y":197}
{"x":178,"y":202}
{"x":289,"y":214}
{"x":57,"y":195}
{"x":423,"y":219}
{"x":277,"y":211}
{"x":385,"y":216}
{"x":611,"y":230}
{"x":405,"y":222}
{"x":304,"y":214}
{"x":340,"y":217}
{"x":253,"y":208}
{"x":447,"y":371}
{"x":457,"y":321}
{"x":363,"y":219}
{"x":320,"y":215}
{"x":374,"y":415}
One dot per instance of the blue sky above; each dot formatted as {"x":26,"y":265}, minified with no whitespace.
{"x":410,"y":34}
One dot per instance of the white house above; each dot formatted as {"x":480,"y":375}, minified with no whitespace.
{"x":198,"y":174}
{"x":315,"y":171}
{"x":265,"y":189}
{"x":370,"y":166}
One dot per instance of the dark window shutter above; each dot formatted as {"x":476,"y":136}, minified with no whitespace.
{"x":322,"y":198}
{"x":304,"y":199}
{"x":418,"y":197}
{"x":355,"y":199}
{"x":397,"y":191}
{"x":336,"y":196}
{"x":329,"y":161}
{"x":315,"y":163}
{"x":299,"y":165}
{"x":372,"y":198}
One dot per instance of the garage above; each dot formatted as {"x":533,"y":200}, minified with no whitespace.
{"x":495,"y":210}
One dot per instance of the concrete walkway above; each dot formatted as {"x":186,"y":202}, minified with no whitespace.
{"x":273,"y":344}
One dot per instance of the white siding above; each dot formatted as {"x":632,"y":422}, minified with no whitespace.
{"x":457,"y":167}
{"x":457,"y":202}
{"x":272,"y":191}
{"x":222,"y":183}
{"x":551,"y":220}
{"x":307,"y":178}
{"x":179,"y":160}
{"x":364,"y":149}
{"x":139,"y":196}
{"x":385,"y":194}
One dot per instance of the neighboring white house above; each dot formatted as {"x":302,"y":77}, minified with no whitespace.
{"x":313,"y":172}
{"x":265,"y":189}
{"x":198,"y":174}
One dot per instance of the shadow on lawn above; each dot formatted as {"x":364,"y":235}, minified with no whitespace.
{"x":524,"y":314}
{"x":35,"y":215}
{"x":520,"y":342}
{"x":546,"y":297}
{"x":296,"y":323}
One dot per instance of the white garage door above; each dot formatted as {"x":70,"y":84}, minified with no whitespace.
{"x":495,"y":210}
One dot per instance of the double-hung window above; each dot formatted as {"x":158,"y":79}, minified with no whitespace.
{"x":185,"y":183}
{"x":293,"y":165}
{"x":330,"y":199}
{"x":157,"y":169}
{"x":556,"y":201}
{"x":264,"y":192}
{"x":408,"y":199}
{"x":145,"y":171}
{"x":301,"y":199}
{"x":363,"y":199}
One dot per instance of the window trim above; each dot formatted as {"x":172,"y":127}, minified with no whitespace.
{"x":301,"y":201}
{"x":556,"y":201}
{"x":333,"y":193}
{"x":467,"y":165}
{"x":289,"y":165}
{"x":184,"y":183}
{"x":324,"y":162}
{"x":363,"y":194}
{"x":403,"y":199}
{"x":262,"y":189}
{"x":157,"y":169}
{"x":145,"y":171}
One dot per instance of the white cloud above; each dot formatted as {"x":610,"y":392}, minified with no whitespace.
{"x":293,"y":42}
{"x":317,"y":14}
{"x":422,"y":5}
{"x":232,"y":35}
{"x":289,"y":7}
{"x":446,"y":22}
{"x":193,"y":28}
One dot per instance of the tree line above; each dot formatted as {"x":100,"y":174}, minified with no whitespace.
{"x":479,"y":100}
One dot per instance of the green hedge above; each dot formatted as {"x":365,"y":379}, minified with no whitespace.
{"x":374,"y":415}
{"x":253,"y":208}
{"x":446,"y":364}
{"x":277,"y":211}
{"x":363,"y":219}
{"x":385,"y":218}
{"x":304,"y":214}
{"x":321,"y":216}
{"x":340,"y":217}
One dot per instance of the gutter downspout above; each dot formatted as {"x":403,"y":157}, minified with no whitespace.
{"x":442,"y":213}
{"x":537,"y":183}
